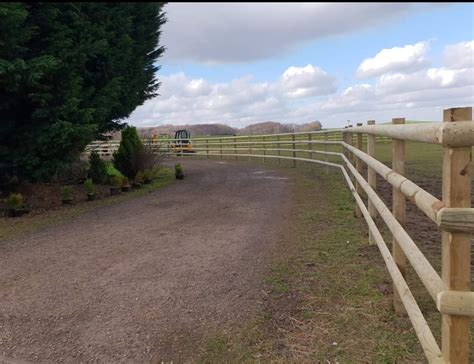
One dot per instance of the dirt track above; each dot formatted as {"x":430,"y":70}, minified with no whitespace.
{"x":146,"y":280}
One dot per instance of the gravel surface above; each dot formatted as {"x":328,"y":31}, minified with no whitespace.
{"x":150,"y":279}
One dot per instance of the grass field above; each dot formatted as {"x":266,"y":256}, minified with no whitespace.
{"x":329,"y":293}
{"x":422,"y":159}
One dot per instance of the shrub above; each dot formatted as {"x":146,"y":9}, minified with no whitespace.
{"x":156,"y":172}
{"x":147,"y":174}
{"x":178,"y":169}
{"x":89,"y":186}
{"x":67,"y":193}
{"x":140,"y":177}
{"x":97,"y":168}
{"x":112,"y":172}
{"x":125,"y":181}
{"x":14,"y":201}
{"x":127,"y":156}
{"x":78,"y":170}
{"x":150,"y":157}
{"x":117,"y":181}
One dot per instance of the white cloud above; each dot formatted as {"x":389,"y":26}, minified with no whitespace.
{"x":411,"y":57}
{"x":244,"y":32}
{"x":298,"y":82}
{"x":433,"y":78}
{"x":238,"y":102}
{"x":460,"y":55}
{"x":306,"y":93}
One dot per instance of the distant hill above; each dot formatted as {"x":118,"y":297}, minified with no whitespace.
{"x":272,"y":127}
{"x":267,"y":127}
{"x":197,"y":129}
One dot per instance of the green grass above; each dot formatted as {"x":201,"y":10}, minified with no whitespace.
{"x":12,"y":227}
{"x":422,"y":160}
{"x":325,"y":301}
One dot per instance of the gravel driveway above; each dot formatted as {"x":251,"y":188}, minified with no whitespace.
{"x":149,"y":279}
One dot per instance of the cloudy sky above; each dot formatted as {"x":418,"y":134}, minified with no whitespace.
{"x":242,"y":63}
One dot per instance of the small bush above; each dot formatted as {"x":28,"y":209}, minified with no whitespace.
{"x":117,"y":181}
{"x":67,"y":193}
{"x":178,"y":169}
{"x":14,"y":201}
{"x":112,"y":172}
{"x":89,"y":186}
{"x":125,"y":158}
{"x":97,"y":169}
{"x":156,"y":172}
{"x":125,"y":182}
{"x":147,"y":174}
{"x":140,"y":177}
{"x":150,"y":157}
{"x":78,"y":170}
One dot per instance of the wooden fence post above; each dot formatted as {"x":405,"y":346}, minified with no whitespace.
{"x":294,"y":153}
{"x":235,"y":148}
{"x":399,"y":211}
{"x":326,"y":158}
{"x":207,"y":148}
{"x":456,"y":254}
{"x":359,"y":189}
{"x":220,"y":146}
{"x":349,"y":141}
{"x":310,"y":146}
{"x":250,"y":149}
{"x":264,"y":151}
{"x":371,"y":176}
{"x":345,"y":139}
{"x":278,"y":147}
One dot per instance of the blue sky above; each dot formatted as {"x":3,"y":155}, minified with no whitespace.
{"x":204,"y":75}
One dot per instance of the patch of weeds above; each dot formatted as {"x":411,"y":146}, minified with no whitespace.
{"x":218,"y":346}
{"x":277,"y":278}
{"x":308,"y":314}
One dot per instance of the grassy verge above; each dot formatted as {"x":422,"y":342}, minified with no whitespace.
{"x":329,"y":295}
{"x":12,"y":227}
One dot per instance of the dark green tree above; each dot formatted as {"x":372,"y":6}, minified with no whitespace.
{"x":127,"y":157}
{"x":97,"y":169}
{"x":70,"y":72}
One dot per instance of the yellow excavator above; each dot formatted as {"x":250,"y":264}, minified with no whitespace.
{"x":182,"y":142}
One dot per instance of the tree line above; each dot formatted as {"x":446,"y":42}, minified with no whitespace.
{"x":267,"y":127}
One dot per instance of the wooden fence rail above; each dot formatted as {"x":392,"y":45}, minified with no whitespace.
{"x":453,"y":214}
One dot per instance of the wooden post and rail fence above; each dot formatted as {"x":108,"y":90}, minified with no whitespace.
{"x":453,"y":214}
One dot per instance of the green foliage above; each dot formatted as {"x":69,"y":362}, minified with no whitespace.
{"x":117,"y":181}
{"x":89,"y":186}
{"x":140,"y":177}
{"x":128,"y":153}
{"x":67,"y":193}
{"x":112,"y":172}
{"x":155,"y":172}
{"x":97,"y":168}
{"x":14,"y":201}
{"x":68,"y":73}
{"x":178,"y":169}
{"x":148,"y":174}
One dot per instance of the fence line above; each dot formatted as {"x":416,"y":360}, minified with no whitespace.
{"x":453,"y":214}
